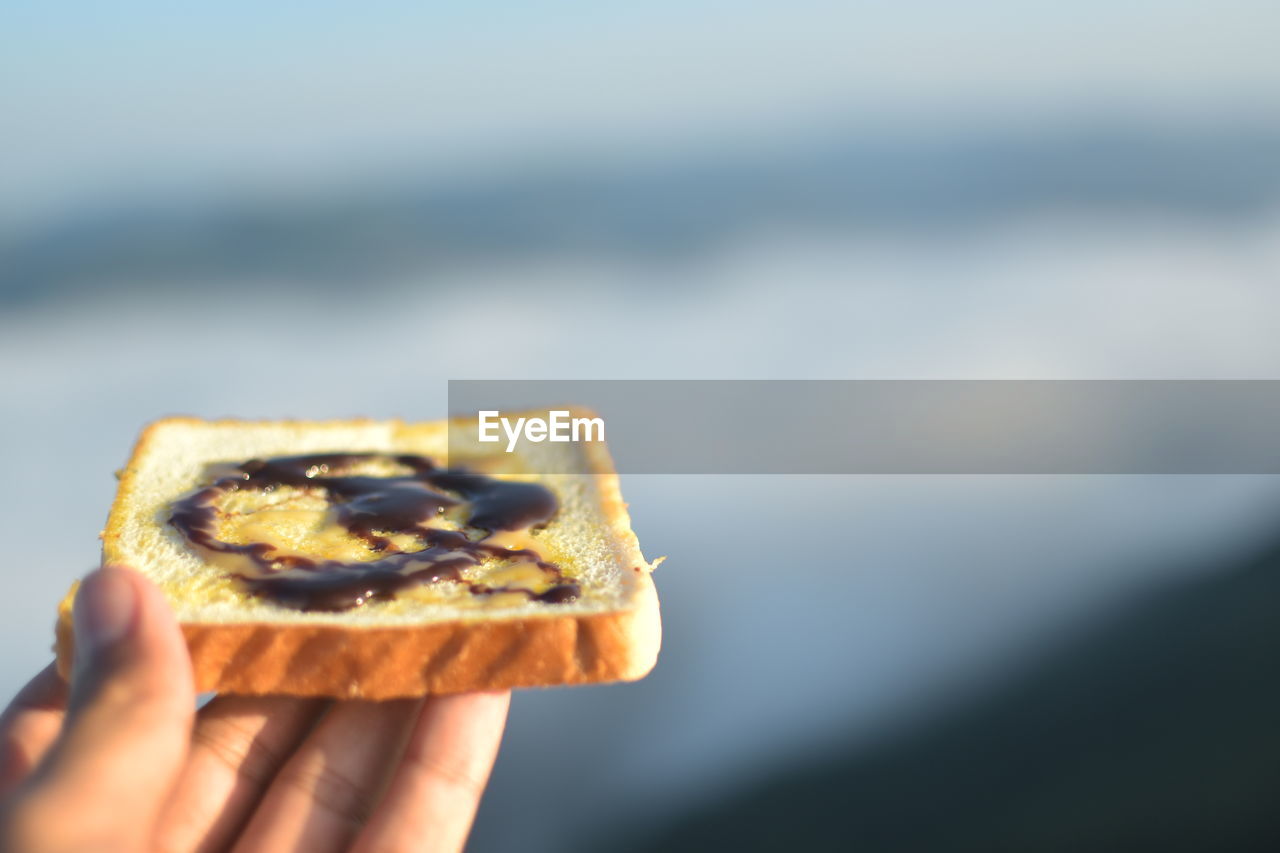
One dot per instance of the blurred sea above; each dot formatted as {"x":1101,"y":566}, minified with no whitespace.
{"x":801,"y":613}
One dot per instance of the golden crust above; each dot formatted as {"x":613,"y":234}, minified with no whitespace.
{"x":388,"y":663}
{"x":391,"y":662}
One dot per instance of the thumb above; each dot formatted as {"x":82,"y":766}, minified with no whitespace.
{"x":128,"y":724}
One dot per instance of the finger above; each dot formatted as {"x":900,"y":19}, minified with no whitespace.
{"x":30,"y":725}
{"x":238,"y":744}
{"x":327,"y":790}
{"x":128,"y":724}
{"x":432,"y":798}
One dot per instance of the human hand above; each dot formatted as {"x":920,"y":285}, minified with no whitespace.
{"x":127,"y":763}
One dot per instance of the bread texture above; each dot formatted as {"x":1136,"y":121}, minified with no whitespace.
{"x":437,"y":639}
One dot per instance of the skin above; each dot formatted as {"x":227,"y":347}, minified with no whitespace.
{"x":122,"y":761}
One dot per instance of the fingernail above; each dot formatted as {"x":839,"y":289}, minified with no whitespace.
{"x":104,"y":611}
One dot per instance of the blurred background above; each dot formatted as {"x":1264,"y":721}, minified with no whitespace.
{"x":314,"y":210}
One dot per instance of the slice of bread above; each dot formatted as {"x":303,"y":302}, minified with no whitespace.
{"x":441,"y":636}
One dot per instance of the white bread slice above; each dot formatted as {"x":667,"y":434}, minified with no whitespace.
{"x":441,"y":640}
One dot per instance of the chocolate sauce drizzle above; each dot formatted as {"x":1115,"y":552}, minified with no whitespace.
{"x":370,"y":508}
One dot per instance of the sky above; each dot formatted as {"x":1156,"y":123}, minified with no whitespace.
{"x":107,"y":99}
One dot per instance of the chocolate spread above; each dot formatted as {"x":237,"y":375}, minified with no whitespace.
{"x":372,"y":509}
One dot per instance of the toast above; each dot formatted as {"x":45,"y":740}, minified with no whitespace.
{"x":235,"y":522}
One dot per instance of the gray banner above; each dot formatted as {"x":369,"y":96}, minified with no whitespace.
{"x":889,"y":427}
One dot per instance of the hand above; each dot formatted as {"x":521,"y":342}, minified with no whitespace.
{"x":128,"y":764}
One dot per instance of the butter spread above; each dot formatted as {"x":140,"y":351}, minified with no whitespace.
{"x":333,"y":531}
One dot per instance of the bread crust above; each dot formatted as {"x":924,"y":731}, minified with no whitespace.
{"x":389,"y":663}
{"x":392,"y":662}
